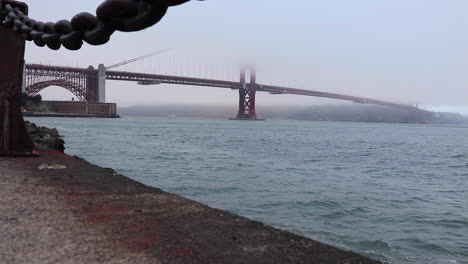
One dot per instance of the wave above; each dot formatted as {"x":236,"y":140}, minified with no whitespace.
{"x":204,"y":190}
{"x":427,"y":246}
{"x":452,"y":223}
{"x":370,"y":245}
{"x":325,"y":204}
{"x":151,"y":135}
{"x":458,"y":166}
{"x":334,"y":215}
{"x":312,"y":160}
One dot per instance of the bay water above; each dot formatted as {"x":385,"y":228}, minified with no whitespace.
{"x":393,"y":192}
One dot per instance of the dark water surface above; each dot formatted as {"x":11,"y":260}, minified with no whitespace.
{"x":397,"y":193}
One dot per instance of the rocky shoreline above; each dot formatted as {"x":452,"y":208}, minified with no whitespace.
{"x":45,"y":138}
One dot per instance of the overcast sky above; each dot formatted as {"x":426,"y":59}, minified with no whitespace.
{"x":409,"y":51}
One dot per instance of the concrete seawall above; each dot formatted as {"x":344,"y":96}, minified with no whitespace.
{"x":73,"y":108}
{"x":80,"y":213}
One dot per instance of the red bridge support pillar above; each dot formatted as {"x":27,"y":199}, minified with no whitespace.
{"x":247,"y":94}
{"x":96,"y":84}
{"x":14,"y":138}
{"x":92,"y":85}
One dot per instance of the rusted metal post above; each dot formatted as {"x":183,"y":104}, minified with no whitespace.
{"x":14,"y":137}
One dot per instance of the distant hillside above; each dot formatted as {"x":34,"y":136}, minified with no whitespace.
{"x":452,"y":118}
{"x":191,"y":111}
{"x":374,"y":113}
{"x":343,"y":112}
{"x":203,"y":111}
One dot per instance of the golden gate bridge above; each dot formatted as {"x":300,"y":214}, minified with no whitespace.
{"x":89,"y":84}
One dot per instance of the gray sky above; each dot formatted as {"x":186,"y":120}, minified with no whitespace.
{"x":409,"y":51}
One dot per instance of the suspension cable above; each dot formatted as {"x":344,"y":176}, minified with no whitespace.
{"x":136,"y":59}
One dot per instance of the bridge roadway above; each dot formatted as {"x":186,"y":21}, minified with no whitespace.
{"x":60,"y":72}
{"x":130,"y":76}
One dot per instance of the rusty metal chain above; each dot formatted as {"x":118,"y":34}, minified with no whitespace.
{"x":111,"y":16}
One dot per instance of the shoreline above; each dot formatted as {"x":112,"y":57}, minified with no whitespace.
{"x":138,"y":221}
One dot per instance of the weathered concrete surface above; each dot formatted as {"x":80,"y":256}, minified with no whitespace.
{"x":87,"y":214}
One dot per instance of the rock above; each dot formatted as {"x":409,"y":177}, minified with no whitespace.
{"x":45,"y":138}
{"x":52,"y":131}
{"x":47,"y":166}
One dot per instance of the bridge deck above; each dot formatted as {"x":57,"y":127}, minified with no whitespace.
{"x":60,"y":72}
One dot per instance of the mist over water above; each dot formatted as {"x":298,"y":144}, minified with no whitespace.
{"x":393,"y":192}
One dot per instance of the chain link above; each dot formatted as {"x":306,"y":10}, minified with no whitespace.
{"x":111,"y":16}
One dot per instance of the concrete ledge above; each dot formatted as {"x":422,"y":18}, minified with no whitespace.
{"x":87,"y":214}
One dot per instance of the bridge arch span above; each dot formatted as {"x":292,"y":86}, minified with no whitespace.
{"x":76,"y":89}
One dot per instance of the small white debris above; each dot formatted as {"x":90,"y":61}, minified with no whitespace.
{"x":47,"y":166}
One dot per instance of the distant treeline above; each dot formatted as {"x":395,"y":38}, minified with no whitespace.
{"x":343,"y":113}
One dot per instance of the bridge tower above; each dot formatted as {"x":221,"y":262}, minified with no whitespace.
{"x":247,"y":93}
{"x":96,"y":84}
{"x":102,"y":83}
{"x":92,"y":82}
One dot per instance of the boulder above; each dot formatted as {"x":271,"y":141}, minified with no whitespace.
{"x":45,"y":138}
